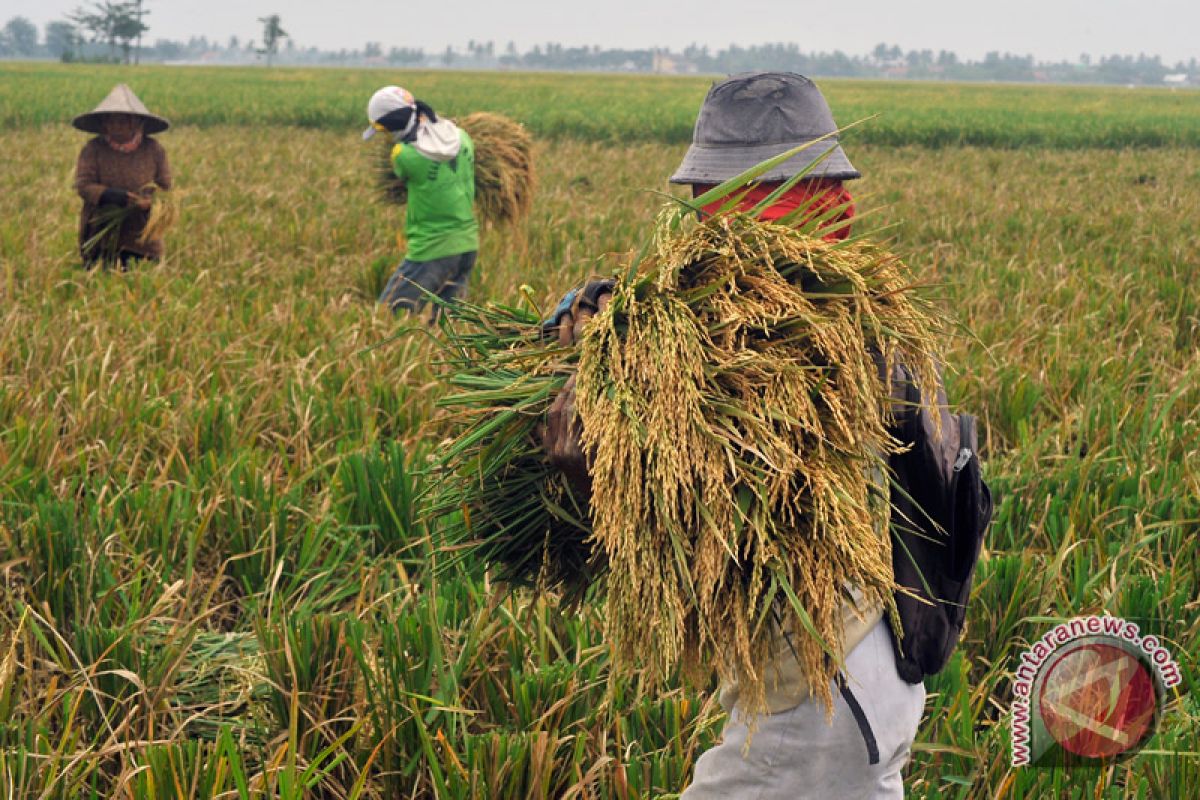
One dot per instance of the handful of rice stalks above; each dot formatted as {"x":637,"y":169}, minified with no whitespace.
{"x":505,"y":179}
{"x":163,"y":216}
{"x":733,"y":404}
{"x":104,"y":234}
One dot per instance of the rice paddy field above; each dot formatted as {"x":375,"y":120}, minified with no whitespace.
{"x":216,"y":574}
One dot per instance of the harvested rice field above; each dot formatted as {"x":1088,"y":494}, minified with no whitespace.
{"x":217,"y":570}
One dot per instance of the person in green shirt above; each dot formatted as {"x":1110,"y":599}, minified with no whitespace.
{"x":436,"y":160}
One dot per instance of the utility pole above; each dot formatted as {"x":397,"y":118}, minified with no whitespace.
{"x":139,"y":13}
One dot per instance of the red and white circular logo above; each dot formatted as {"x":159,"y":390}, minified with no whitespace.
{"x":1098,"y":699}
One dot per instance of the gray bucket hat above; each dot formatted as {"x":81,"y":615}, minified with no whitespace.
{"x":121,"y":100}
{"x":748,"y":118}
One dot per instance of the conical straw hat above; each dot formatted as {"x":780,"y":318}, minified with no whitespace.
{"x":121,"y":100}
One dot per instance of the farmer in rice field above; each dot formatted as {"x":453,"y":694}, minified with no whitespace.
{"x":436,"y":160}
{"x":795,"y":751}
{"x":117,"y":174}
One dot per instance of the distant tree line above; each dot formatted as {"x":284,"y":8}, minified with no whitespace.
{"x":112,"y":31}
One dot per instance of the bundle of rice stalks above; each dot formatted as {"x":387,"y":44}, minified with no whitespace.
{"x":505,"y":179}
{"x":391,"y":189}
{"x":501,"y":500}
{"x":103,"y":241}
{"x":732,"y":400}
{"x":164,"y":214}
{"x":735,"y":411}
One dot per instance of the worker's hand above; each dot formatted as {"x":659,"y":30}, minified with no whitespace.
{"x":562,"y":431}
{"x":140,"y":201}
{"x":589,"y":301}
{"x":576,"y":307}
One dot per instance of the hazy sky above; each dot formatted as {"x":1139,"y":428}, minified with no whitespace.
{"x":1049,"y":29}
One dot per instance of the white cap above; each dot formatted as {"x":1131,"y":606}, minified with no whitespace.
{"x":384,"y":102}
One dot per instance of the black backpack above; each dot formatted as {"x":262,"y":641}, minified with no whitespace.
{"x":940,"y":511}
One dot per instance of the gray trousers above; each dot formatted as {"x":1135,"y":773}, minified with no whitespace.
{"x":797,"y":754}
{"x":445,"y":277}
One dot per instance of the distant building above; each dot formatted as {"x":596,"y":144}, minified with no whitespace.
{"x":664,"y":63}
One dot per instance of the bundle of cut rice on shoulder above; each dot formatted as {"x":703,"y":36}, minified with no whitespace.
{"x":505,"y":178}
{"x":733,"y":406}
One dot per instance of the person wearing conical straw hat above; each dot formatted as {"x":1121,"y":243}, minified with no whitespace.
{"x":117,"y":174}
{"x":436,"y":160}
{"x":878,"y":700}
